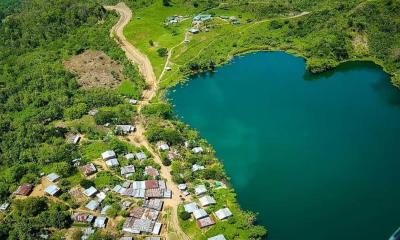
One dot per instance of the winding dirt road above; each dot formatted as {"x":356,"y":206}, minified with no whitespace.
{"x":138,"y":138}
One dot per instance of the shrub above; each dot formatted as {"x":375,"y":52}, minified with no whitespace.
{"x":162,"y":52}
{"x":184,"y":215}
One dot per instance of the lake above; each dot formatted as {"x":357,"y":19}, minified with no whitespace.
{"x":317,"y":156}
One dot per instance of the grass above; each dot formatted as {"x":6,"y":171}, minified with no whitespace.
{"x":128,"y":88}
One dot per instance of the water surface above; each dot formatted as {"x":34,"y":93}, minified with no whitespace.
{"x":317,"y":156}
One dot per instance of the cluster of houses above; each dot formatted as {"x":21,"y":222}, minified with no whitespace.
{"x":173,"y":20}
{"x":201,"y":216}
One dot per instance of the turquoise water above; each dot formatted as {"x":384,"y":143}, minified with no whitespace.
{"x":318,"y":157}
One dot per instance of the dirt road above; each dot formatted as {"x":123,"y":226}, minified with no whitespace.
{"x":138,"y":137}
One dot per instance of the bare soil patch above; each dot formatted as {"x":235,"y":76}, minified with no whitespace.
{"x":95,"y":69}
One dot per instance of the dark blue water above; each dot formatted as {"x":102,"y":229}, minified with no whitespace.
{"x":317,"y":156}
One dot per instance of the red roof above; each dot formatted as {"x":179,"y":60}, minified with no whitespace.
{"x":88,"y":169}
{"x":151,"y":184}
{"x":205,"y":222}
{"x":137,"y":212}
{"x":24,"y":189}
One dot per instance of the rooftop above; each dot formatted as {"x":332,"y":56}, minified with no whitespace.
{"x":52,"y":177}
{"x":190,"y":207}
{"x":100,"y":222}
{"x":223,"y":213}
{"x":112,"y":162}
{"x":207,"y":200}
{"x":92,"y":205}
{"x":52,"y":190}
{"x":88,"y":169}
{"x":108,"y":155}
{"x":200,"y":189}
{"x":90,"y":191}
{"x":205,"y":222}
{"x":24,"y":189}
{"x":199,"y":213}
{"x":218,"y":237}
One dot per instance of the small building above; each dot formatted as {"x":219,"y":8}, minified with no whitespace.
{"x":87,"y":232}
{"x":218,"y":237}
{"x":197,"y":150}
{"x":89,"y":192}
{"x":156,"y":228}
{"x":163,"y":146}
{"x":92,"y":205}
{"x":4,"y":206}
{"x":125,"y":238}
{"x":129,"y":156}
{"x":200,"y":189}
{"x":24,"y":189}
{"x":206,"y":201}
{"x":194,"y":30}
{"x":113,"y":162}
{"x":110,"y":154}
{"x":156,"y":204}
{"x":105,"y":209}
{"x":152,"y":238}
{"x":117,"y":188}
{"x":100,"y":222}
{"x":124,"y":129}
{"x":52,"y":177}
{"x":137,"y":226}
{"x":150,"y":171}
{"x":52,"y":190}
{"x":140,"y":156}
{"x":88,"y":169}
{"x":199,"y":213}
{"x":202,"y":18}
{"x":101,"y":196}
{"x":93,"y":112}
{"x":190,"y":207}
{"x":151,"y":184}
{"x":127,"y":171}
{"x":197,"y":167}
{"x":205,"y":222}
{"x":223,"y":213}
{"x":182,"y":187}
{"x":137,"y":212}
{"x":74,"y":139}
{"x":125,"y":205}
{"x":133,"y":101}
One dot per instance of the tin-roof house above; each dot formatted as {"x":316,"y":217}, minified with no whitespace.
{"x":110,"y":154}
{"x":127,"y":170}
{"x":113,"y":162}
{"x":124,"y":129}
{"x":223,"y":213}
{"x":24,"y":189}
{"x":52,"y":190}
{"x":52,"y":177}
{"x":190,"y":207}
{"x":88,"y":169}
{"x":100,"y":222}
{"x":90,"y":191}
{"x":218,"y":237}
{"x":197,"y":150}
{"x":206,"y":201}
{"x":200,"y":189}
{"x":92,"y":205}
{"x":199,"y":213}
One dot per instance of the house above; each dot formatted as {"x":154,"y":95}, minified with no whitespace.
{"x":110,"y":154}
{"x":182,"y":187}
{"x":156,"y":204}
{"x":112,"y":162}
{"x":124,"y":129}
{"x":76,"y":162}
{"x":162,"y":185}
{"x":200,"y":189}
{"x":4,"y":207}
{"x":90,"y":191}
{"x":88,"y":169}
{"x":140,"y":156}
{"x":197,"y":167}
{"x":129,"y":156}
{"x":137,"y":226}
{"x":74,"y":139}
{"x":202,"y":18}
{"x":100,"y":222}
{"x":93,"y":112}
{"x":133,"y":101}
{"x":150,"y":214}
{"x":199,"y":213}
{"x":101,"y":196}
{"x":126,"y":238}
{"x":52,"y":177}
{"x":152,"y":238}
{"x":117,"y":188}
{"x":168,"y":68}
{"x":87,"y":232}
{"x":127,"y":170}
{"x":82,"y":217}
{"x":137,"y":212}
{"x":218,"y":237}
{"x":154,"y":193}
{"x":125,"y":205}
{"x":223,"y":213}
{"x":92,"y":205}
{"x":190,"y":207}
{"x":149,"y":170}
{"x":52,"y":190}
{"x":24,"y":189}
{"x":206,"y":201}
{"x":197,"y":150}
{"x":205,"y":222}
{"x":162,"y":146}
{"x":139,"y":185}
{"x":150,"y":184}
{"x":194,"y":30}
{"x":105,"y":209}
{"x":156,"y":229}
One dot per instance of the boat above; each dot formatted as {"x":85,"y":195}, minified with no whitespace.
{"x":396,"y":235}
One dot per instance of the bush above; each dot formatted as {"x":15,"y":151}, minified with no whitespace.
{"x":86,"y":183}
{"x":162,"y":52}
{"x":166,"y":161}
{"x":184,"y":215}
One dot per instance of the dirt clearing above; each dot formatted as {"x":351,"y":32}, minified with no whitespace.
{"x":95,"y":69}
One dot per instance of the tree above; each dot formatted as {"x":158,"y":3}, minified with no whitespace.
{"x":162,"y":52}
{"x":86,"y":183}
{"x":184,"y":215}
{"x":166,"y":3}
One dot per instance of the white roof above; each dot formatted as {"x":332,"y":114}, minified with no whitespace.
{"x":92,"y":205}
{"x":140,"y":156}
{"x":117,"y":188}
{"x":100,"y":222}
{"x":197,"y":150}
{"x":133,"y":101}
{"x":200,"y":189}
{"x":108,"y":154}
{"x":218,"y":237}
{"x":163,"y":146}
{"x":105,"y":209}
{"x":52,"y":190}
{"x":190,"y":207}
{"x":182,"y":187}
{"x":200,"y":213}
{"x":52,"y":177}
{"x":157,"y":228}
{"x":130,"y":156}
{"x":223,"y":213}
{"x":207,"y":200}
{"x":101,"y":196}
{"x":4,"y":206}
{"x":127,"y":169}
{"x":112,"y":162}
{"x":197,"y":167}
{"x":125,"y":128}
{"x":90,"y":191}
{"x":138,"y":185}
